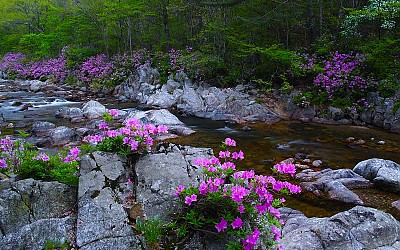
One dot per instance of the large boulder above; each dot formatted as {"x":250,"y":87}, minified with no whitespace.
{"x":102,"y":197}
{"x":358,"y":228}
{"x":32,"y":212}
{"x":160,"y":173}
{"x":384,"y":174}
{"x":334,"y":184}
{"x":93,"y":109}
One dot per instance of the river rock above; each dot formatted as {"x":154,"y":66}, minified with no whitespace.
{"x":160,"y":117}
{"x":160,"y":173}
{"x":358,"y":228}
{"x":62,"y":135}
{"x":396,"y":205}
{"x":384,"y":174}
{"x":93,"y":109}
{"x":335,"y":184}
{"x":36,"y":85}
{"x":42,"y":128}
{"x":69,"y":113}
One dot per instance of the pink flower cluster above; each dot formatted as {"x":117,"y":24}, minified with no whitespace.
{"x":135,"y":136}
{"x":41,"y":157}
{"x":246,"y":191}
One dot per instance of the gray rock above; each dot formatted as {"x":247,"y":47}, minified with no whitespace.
{"x":36,"y":85}
{"x":93,"y":109}
{"x":101,"y":218}
{"x":396,"y":205}
{"x":28,"y":201}
{"x":335,"y":113}
{"x":35,"y":235}
{"x":90,"y":182}
{"x":160,"y":173}
{"x":335,"y":184}
{"x":358,"y":228}
{"x":384,"y":174}
{"x":61,"y":136}
{"x":316,"y":163}
{"x":42,"y":128}
{"x":120,"y":243}
{"x":69,"y":113}
{"x":110,"y":169}
{"x":161,"y":117}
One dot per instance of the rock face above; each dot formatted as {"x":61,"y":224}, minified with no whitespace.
{"x":161,"y":117}
{"x":356,"y":229}
{"x":198,"y":100}
{"x":103,"y":188}
{"x":381,"y":112}
{"x":28,"y":219}
{"x":93,"y":109}
{"x":159,"y":174}
{"x":335,"y":184}
{"x":384,"y":174}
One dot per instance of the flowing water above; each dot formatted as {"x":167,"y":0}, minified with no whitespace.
{"x":263,"y":145}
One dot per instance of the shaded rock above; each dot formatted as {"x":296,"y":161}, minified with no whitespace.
{"x":42,"y":128}
{"x":28,"y":201}
{"x":335,"y":113}
{"x":69,"y":113}
{"x":396,"y":204}
{"x":335,"y":184}
{"x":384,"y":174}
{"x":358,"y":228}
{"x":35,"y":235}
{"x":159,"y":174}
{"x":123,"y":243}
{"x":317,"y":163}
{"x":61,"y":136}
{"x":93,"y":109}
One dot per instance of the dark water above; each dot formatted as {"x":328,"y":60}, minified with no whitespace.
{"x":263,"y":146}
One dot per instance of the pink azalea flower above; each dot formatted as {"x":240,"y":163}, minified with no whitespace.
{"x":237,"y":223}
{"x":251,"y":241}
{"x":241,"y":209}
{"x":276,"y":232}
{"x":113,"y":112}
{"x":222,"y":225}
{"x":190,"y":199}
{"x":230,"y":142}
{"x":238,"y":155}
{"x":178,"y":190}
{"x":285,"y":168}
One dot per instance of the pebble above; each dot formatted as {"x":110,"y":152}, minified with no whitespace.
{"x":350,"y":139}
{"x":306,"y":161}
{"x":381,"y":142}
{"x":359,"y":142}
{"x":317,"y":163}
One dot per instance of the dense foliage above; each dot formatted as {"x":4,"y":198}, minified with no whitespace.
{"x":232,"y":40}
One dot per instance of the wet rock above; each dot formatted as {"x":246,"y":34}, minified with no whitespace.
{"x":159,"y":174}
{"x":384,"y":174}
{"x":93,"y":109}
{"x":42,"y":128}
{"x":69,"y":113}
{"x":381,"y":142}
{"x":396,"y":204}
{"x":316,"y":163}
{"x":335,"y":184}
{"x":350,"y":139}
{"x":358,"y":142}
{"x":335,"y":113}
{"x":25,"y":107}
{"x":357,"y":228}
{"x":161,"y":117}
{"x":62,"y":135}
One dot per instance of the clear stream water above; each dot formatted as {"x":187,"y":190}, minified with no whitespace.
{"x":263,"y":146}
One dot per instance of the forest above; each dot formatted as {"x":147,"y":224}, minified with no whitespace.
{"x":276,"y":43}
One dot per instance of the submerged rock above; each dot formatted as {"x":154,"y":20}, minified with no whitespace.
{"x":358,"y":228}
{"x":384,"y":174}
